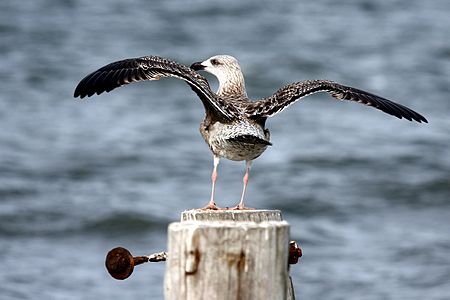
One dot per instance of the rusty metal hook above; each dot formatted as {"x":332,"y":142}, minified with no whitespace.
{"x":295,"y":252}
{"x":120,"y":263}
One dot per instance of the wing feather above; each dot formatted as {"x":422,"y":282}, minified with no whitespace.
{"x":289,"y":94}
{"x":132,"y":70}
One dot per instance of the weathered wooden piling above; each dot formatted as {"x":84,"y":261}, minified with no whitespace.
{"x":228,"y":254}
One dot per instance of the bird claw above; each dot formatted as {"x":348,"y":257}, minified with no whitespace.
{"x":239,"y":207}
{"x":211,"y":206}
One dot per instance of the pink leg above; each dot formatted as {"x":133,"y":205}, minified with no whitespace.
{"x":212,"y":204}
{"x":245,"y":181}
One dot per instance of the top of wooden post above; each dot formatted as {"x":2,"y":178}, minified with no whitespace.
{"x":228,"y":254}
{"x":250,"y":215}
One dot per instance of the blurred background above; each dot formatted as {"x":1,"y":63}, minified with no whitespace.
{"x":367,"y":195}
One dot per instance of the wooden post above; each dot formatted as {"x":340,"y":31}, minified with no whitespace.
{"x":228,"y":254}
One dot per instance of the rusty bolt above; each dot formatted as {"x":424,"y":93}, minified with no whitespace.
{"x":294,"y":253}
{"x":120,"y":263}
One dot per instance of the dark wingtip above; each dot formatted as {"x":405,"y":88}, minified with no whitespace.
{"x":419,"y":118}
{"x":423,"y":119}
{"x":78,"y":93}
{"x":80,"y":90}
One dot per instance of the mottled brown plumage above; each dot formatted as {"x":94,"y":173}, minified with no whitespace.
{"x":131,"y":70}
{"x":234,"y":125}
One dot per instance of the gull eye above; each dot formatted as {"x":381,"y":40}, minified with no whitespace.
{"x":215,"y":62}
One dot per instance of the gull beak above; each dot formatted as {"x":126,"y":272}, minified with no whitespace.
{"x":197,"y":66}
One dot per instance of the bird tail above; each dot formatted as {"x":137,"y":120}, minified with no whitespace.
{"x":250,"y":139}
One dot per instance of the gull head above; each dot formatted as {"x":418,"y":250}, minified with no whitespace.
{"x":227,"y":70}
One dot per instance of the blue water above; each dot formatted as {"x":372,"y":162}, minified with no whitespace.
{"x":367,"y":195}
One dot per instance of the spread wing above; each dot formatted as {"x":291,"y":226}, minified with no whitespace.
{"x":131,"y":70}
{"x":289,"y":94}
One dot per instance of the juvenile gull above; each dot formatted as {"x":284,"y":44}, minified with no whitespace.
{"x":234,"y":126}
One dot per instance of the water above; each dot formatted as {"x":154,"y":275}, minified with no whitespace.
{"x":367,"y":195}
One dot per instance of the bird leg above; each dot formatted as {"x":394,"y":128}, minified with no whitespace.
{"x":248,"y":164}
{"x":212,"y":203}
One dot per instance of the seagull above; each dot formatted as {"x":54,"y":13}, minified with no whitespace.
{"x":234,"y":126}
